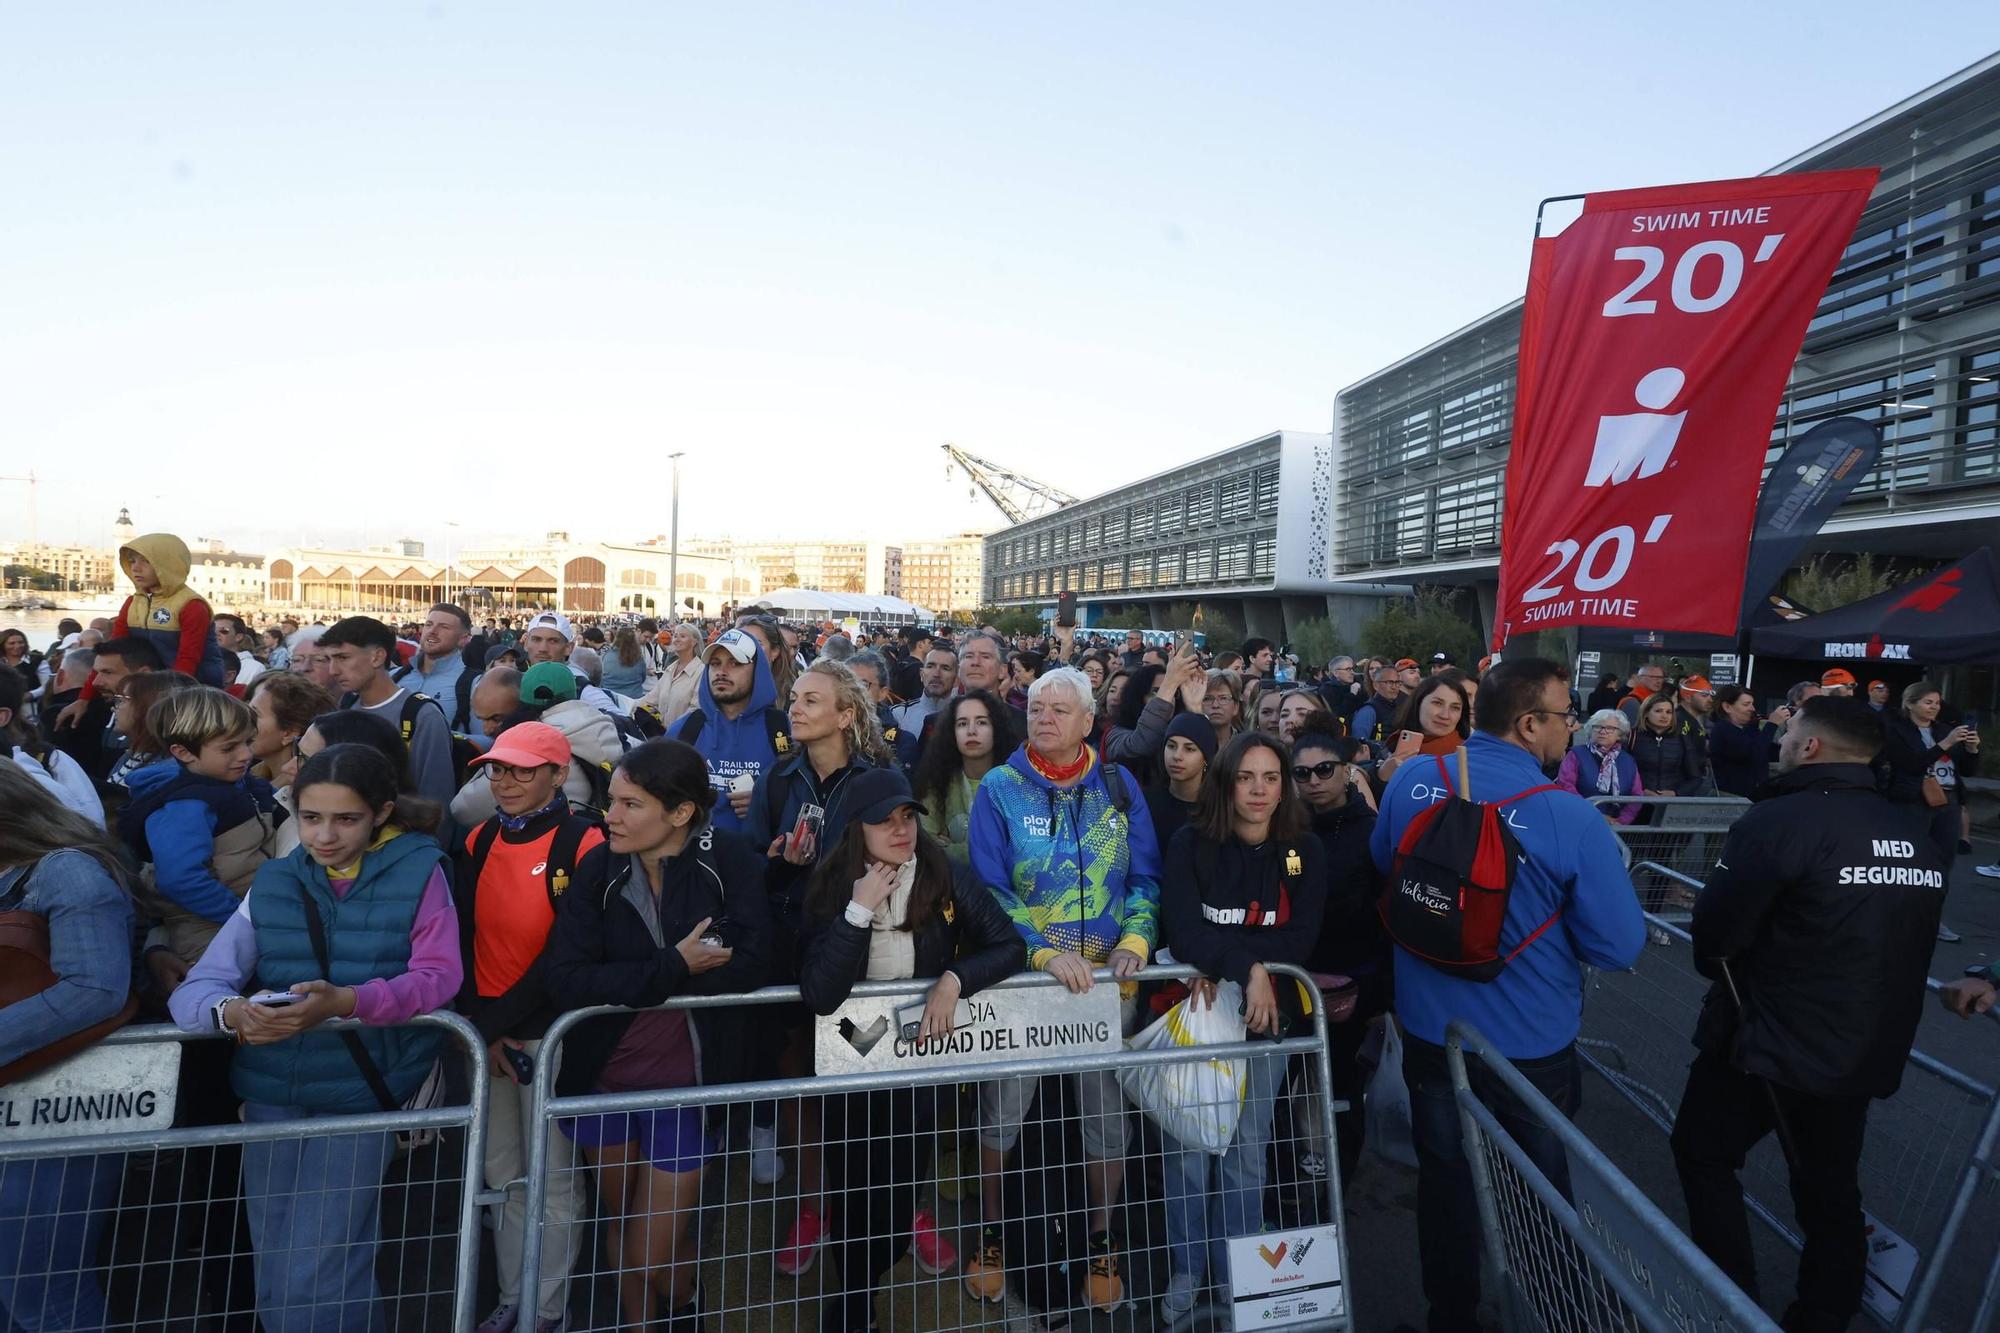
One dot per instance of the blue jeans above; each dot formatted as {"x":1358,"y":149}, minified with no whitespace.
{"x":51,"y":1215}
{"x":315,"y":1214}
{"x":1211,"y":1199}
{"x":1449,"y":1243}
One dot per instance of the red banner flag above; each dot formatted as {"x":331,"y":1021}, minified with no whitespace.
{"x":1657,"y":334}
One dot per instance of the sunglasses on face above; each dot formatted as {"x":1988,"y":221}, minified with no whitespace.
{"x":1323,"y":770}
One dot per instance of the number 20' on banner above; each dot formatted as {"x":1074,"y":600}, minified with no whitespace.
{"x":1657,"y":334}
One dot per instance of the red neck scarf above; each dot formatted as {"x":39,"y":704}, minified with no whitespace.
{"x":1059,"y":774}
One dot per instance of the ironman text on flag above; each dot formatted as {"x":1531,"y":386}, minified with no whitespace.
{"x":1656,"y":337}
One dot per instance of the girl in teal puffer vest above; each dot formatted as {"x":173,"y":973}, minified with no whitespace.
{"x":357,"y":921}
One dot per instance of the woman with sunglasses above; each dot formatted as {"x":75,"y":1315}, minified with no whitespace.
{"x":1351,"y":944}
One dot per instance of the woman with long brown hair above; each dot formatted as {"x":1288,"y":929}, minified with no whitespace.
{"x":59,"y":869}
{"x":1434,"y":719}
{"x":1244,"y":885}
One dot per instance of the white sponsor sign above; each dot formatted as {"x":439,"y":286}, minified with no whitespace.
{"x":1722,"y":668}
{"x":1286,"y":1277}
{"x":99,"y":1090}
{"x":1586,"y":671}
{"x":1892,"y":1262}
{"x":867,"y":1033}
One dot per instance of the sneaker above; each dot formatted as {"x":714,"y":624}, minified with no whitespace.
{"x":1312,"y":1164}
{"x":1103,"y":1288}
{"x":986,"y":1275}
{"x":766,"y":1167}
{"x":1946,"y":935}
{"x":802,"y":1244}
{"x":1660,"y":936}
{"x":502,"y":1320}
{"x":1991,"y":872}
{"x":1179,"y":1299}
{"x":934,"y":1253}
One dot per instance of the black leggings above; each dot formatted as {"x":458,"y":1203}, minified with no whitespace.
{"x":876,"y":1145}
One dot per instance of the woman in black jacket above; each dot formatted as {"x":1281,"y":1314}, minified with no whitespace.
{"x":1670,"y":756}
{"x":1244,"y":885}
{"x":1740,"y":748}
{"x":1351,"y":942}
{"x":883,"y":906}
{"x":1928,"y":765}
{"x":682,"y":912}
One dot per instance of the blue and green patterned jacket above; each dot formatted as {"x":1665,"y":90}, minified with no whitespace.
{"x":1075,"y":873}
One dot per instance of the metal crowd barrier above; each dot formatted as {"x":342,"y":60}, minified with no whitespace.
{"x":893,"y":1141}
{"x":1927,"y":1167}
{"x":1593,"y":1256}
{"x":154,"y":1223}
{"x":1672,"y":839}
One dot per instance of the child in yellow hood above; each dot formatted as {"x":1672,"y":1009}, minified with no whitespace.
{"x":164,"y":612}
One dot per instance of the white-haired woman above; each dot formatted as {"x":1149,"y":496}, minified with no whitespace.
{"x":1601,"y":765}
{"x":1065,"y":843}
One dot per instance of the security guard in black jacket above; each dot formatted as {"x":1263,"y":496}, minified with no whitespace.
{"x":1817,"y":923}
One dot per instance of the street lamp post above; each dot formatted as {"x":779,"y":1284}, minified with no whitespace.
{"x":674,"y":547}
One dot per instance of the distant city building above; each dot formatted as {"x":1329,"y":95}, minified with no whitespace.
{"x":584,"y":577}
{"x":228,"y":580}
{"x":946,"y":574}
{"x":830,"y":566}
{"x":81,"y":568}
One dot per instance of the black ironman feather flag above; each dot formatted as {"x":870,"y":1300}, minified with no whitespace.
{"x":1804,"y":488}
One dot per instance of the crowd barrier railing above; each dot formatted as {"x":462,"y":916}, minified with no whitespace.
{"x":898,"y":1134}
{"x":1593,"y":1256}
{"x":112,"y":1217}
{"x":1672,"y":838}
{"x":1928,"y":1162}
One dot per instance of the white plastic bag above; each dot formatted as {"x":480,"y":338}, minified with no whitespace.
{"x":1198,"y":1102}
{"x":1388,"y":1102}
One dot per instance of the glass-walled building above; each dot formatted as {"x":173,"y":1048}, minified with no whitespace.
{"x":1246,"y":527}
{"x":1908,"y":335}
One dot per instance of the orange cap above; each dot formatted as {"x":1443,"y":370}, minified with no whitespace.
{"x":1402,"y":662}
{"x":1833,"y":676}
{"x":1696,"y":685}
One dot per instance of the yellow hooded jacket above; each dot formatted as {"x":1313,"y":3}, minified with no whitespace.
{"x":174,"y":618}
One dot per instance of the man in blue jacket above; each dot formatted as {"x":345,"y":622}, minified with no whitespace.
{"x":1530,"y":1012}
{"x":736,"y":724}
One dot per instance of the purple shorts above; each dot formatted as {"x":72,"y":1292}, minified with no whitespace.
{"x":673,"y":1140}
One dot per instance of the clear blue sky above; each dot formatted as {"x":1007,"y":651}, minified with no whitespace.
{"x":271,"y":271}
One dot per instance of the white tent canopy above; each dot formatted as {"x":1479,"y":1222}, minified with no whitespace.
{"x":811,"y":604}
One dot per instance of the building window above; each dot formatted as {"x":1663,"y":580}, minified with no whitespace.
{"x":1232,"y":559}
{"x":1142,"y":520}
{"x":1142,"y":571}
{"x":1200,"y":559}
{"x":1979,"y":416}
{"x":1267,"y":491}
{"x":1114,"y":527}
{"x":1114,"y":574}
{"x":1264,"y":556}
{"x":1200,"y":505}
{"x":1238,"y":495}
{"x":1168,"y":515}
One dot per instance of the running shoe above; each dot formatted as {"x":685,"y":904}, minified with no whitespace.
{"x":766,"y":1167}
{"x":934,"y":1253}
{"x":986,"y":1275}
{"x":802,"y":1244}
{"x":1179,"y":1299}
{"x":1102,"y":1286}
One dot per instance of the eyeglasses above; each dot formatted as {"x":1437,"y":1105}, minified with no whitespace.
{"x":1323,"y":770}
{"x":514,"y":772}
{"x":1569,"y":715}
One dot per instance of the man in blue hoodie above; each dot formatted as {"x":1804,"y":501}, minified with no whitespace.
{"x":1570,"y":880}
{"x":735,"y":724}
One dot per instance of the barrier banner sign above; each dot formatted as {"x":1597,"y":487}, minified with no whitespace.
{"x":1657,"y":334}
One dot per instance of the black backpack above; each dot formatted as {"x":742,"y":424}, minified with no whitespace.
{"x":564,"y":852}
{"x":463,"y":751}
{"x":461,"y":689}
{"x":1446,"y":899}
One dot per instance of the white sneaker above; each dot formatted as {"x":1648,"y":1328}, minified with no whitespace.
{"x":1179,"y":1299}
{"x":1946,"y":935}
{"x":766,"y":1167}
{"x":1991,"y":872}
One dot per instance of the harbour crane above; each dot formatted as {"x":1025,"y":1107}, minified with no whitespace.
{"x":1017,"y":496}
